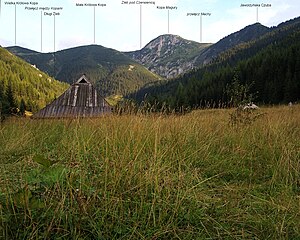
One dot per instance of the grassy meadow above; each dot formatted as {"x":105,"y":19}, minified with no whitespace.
{"x":192,"y":176}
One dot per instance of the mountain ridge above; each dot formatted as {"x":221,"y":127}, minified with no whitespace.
{"x":246,"y":34}
{"x":181,"y":55}
{"x":168,"y":55}
{"x":110,"y":70}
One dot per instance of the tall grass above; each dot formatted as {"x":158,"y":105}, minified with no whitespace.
{"x":151,"y":177}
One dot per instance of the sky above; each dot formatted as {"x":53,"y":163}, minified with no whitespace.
{"x":129,"y":25}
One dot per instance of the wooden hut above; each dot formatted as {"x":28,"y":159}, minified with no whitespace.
{"x":80,"y":100}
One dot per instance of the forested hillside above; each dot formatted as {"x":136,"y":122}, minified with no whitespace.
{"x":23,"y":86}
{"x":249,"y":33}
{"x":111,"y":71}
{"x":270,"y":65}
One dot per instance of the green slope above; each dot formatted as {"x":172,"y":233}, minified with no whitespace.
{"x":111,"y":71}
{"x":26,"y":82}
{"x":270,"y":63}
{"x":247,"y":34}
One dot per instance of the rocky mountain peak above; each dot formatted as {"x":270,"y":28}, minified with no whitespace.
{"x":168,"y":55}
{"x":167,"y":39}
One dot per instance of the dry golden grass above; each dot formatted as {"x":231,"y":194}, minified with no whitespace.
{"x":193,"y":176}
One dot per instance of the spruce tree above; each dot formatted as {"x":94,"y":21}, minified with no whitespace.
{"x":3,"y":100}
{"x":22,"y":107}
{"x":1,"y":92}
{"x":10,"y":99}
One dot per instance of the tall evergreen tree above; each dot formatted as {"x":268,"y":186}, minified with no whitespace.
{"x":1,"y":91}
{"x":10,"y":99}
{"x":22,"y":107}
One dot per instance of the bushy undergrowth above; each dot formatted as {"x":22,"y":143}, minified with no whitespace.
{"x":151,"y":177}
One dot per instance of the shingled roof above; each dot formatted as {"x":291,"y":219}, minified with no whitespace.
{"x":80,"y":100}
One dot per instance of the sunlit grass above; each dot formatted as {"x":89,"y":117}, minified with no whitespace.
{"x":193,"y":176}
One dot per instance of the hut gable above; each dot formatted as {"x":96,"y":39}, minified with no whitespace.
{"x":83,"y":80}
{"x":80,"y":100}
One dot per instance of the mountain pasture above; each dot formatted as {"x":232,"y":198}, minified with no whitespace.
{"x":192,"y":176}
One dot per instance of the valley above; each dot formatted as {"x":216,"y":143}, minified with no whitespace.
{"x":178,"y":157}
{"x":178,"y":73}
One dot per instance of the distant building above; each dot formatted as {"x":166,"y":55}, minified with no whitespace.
{"x":80,"y":100}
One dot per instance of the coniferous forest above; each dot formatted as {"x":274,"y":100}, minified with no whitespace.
{"x":23,"y":86}
{"x":270,"y":66}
